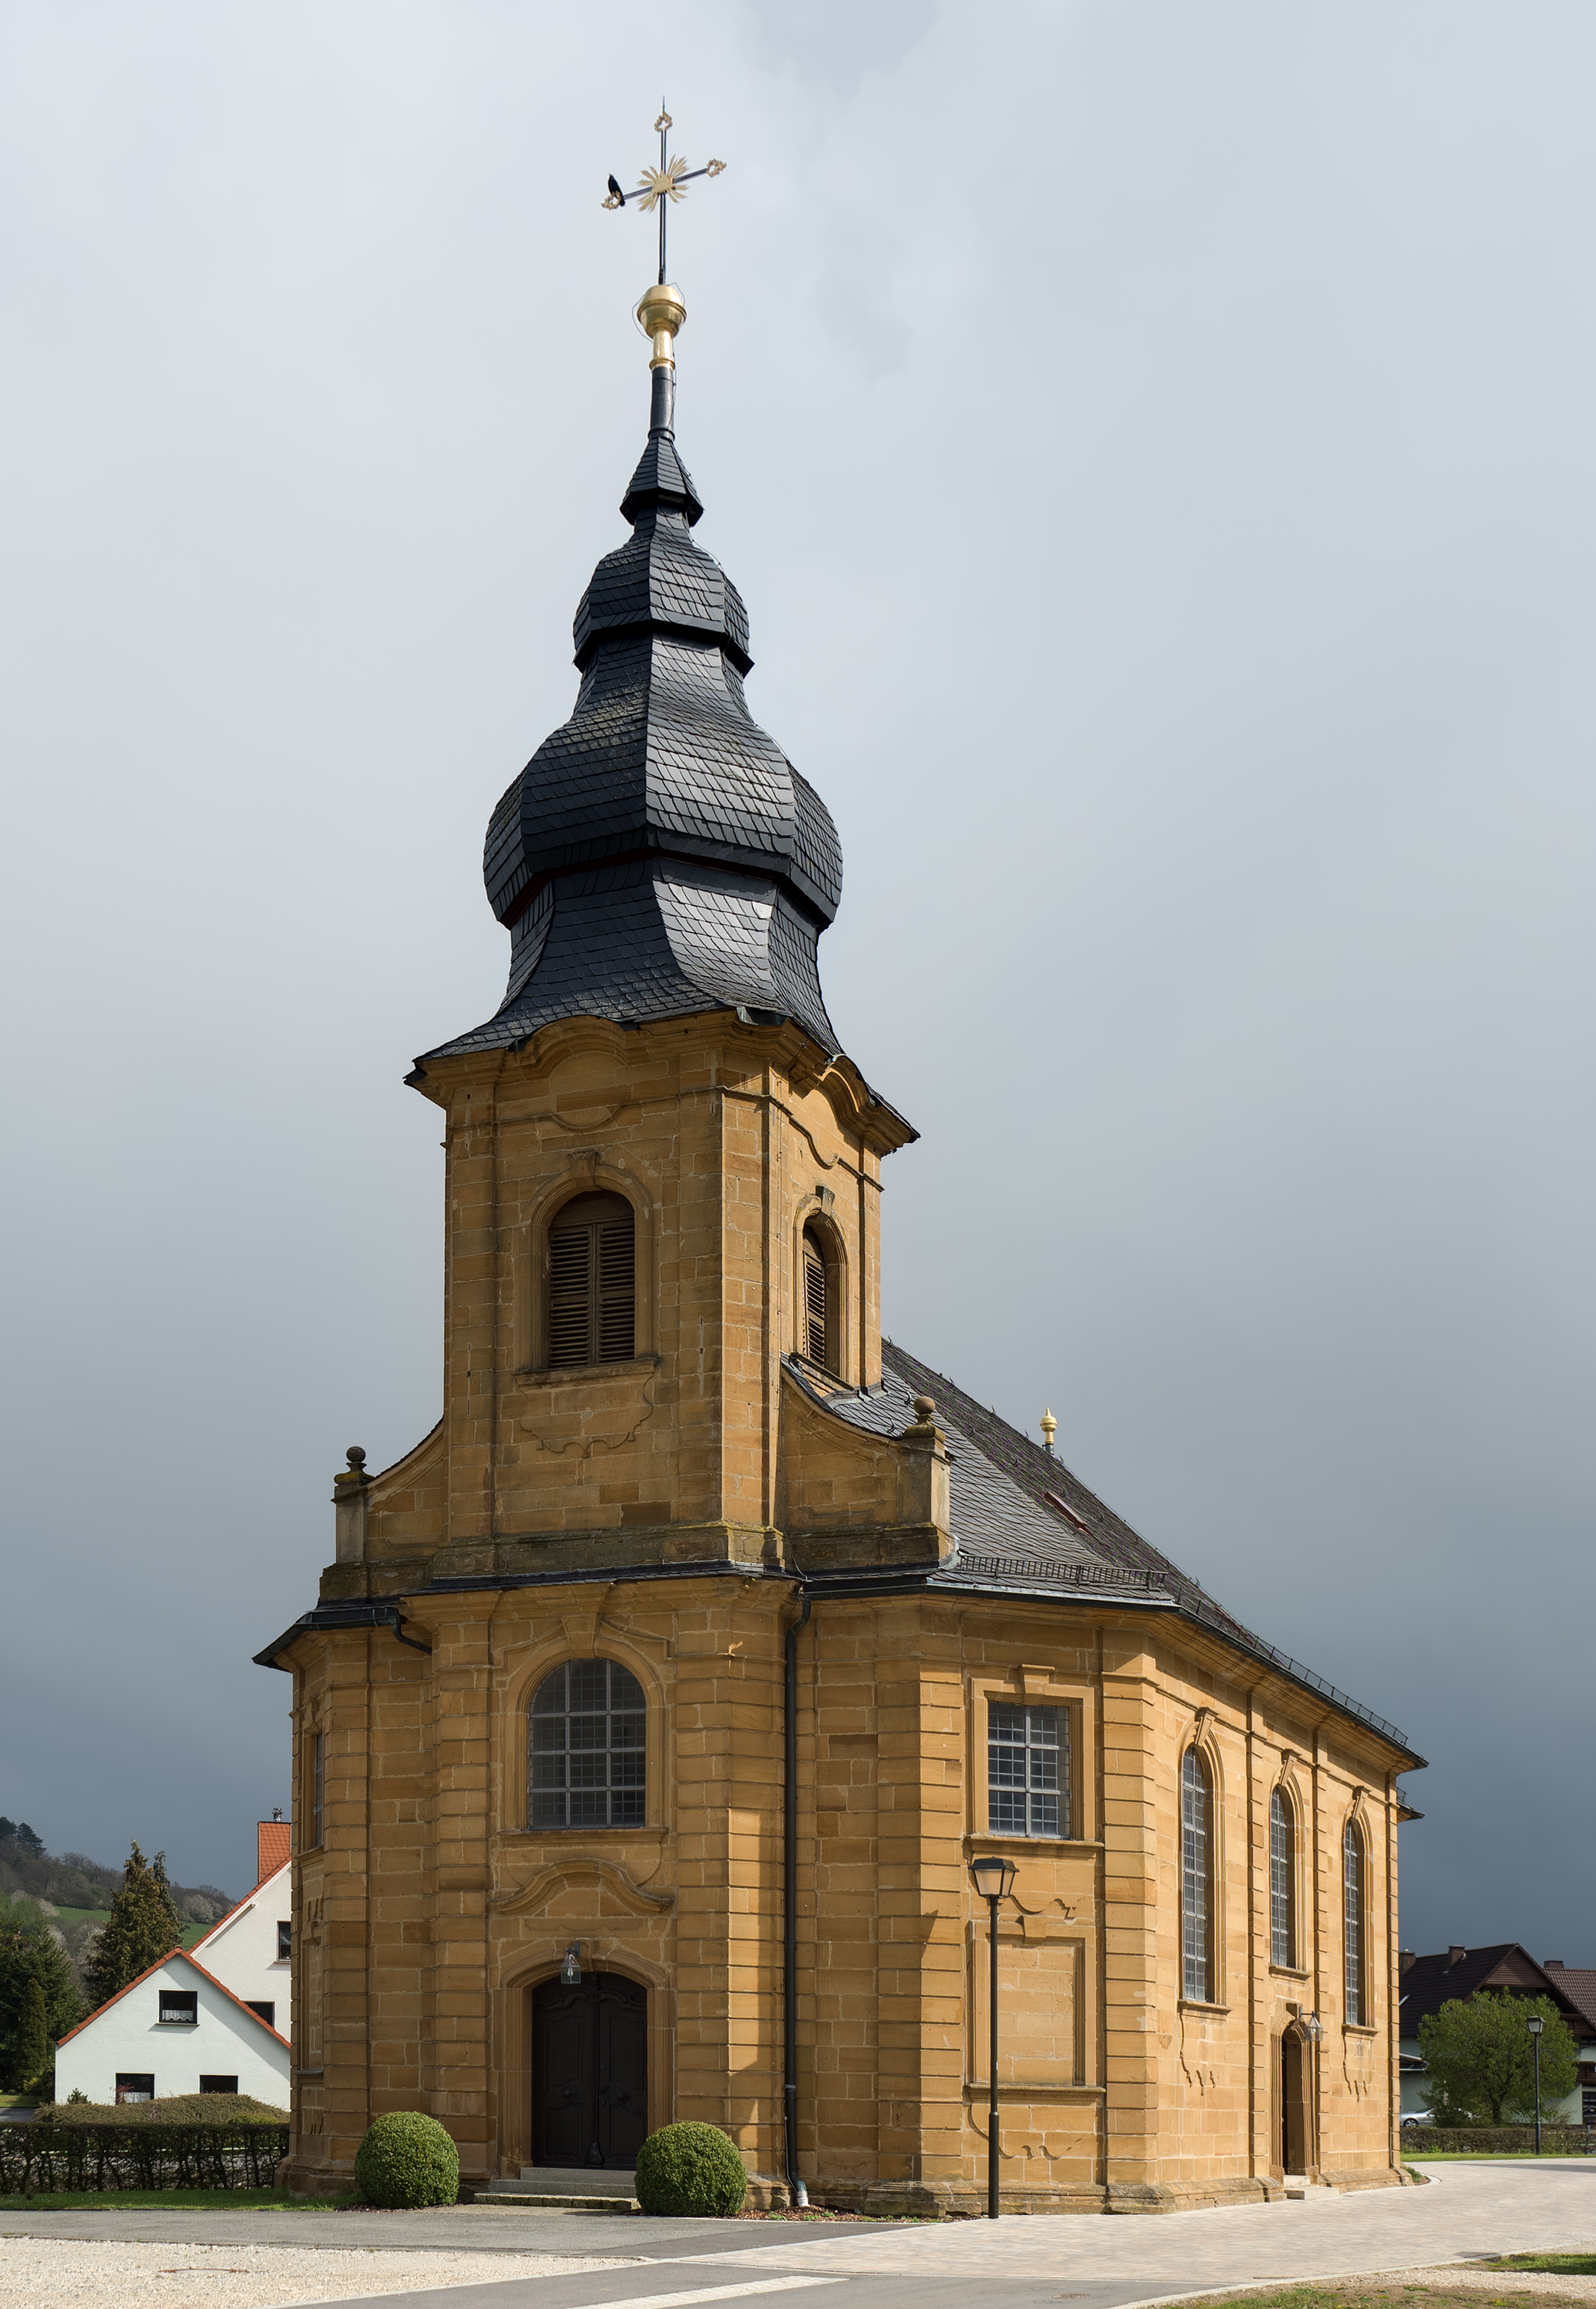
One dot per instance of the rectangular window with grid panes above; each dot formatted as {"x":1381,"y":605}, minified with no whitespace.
{"x":1027,"y":1770}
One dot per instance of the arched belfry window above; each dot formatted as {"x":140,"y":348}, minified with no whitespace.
{"x":1283,"y":1880}
{"x":592,"y":1281}
{"x":1197,"y":1879}
{"x":585,"y":1754}
{"x":820,"y":1328}
{"x":1352,"y":1922}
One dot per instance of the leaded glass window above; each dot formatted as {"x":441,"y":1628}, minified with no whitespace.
{"x":1283,"y":1880}
{"x":1027,"y":1770}
{"x":1352,"y":1921}
{"x":1196,"y":1880}
{"x":585,"y":1748}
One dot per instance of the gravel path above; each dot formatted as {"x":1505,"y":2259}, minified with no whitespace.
{"x":41,"y":2272}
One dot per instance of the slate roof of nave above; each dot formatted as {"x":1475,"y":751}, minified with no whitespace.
{"x":1021,"y":1521}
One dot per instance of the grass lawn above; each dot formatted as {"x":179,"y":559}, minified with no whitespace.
{"x":1565,"y":2264}
{"x":1395,"y":2293}
{"x":18,"y":2100}
{"x":1485,"y":2155}
{"x":157,"y":2200}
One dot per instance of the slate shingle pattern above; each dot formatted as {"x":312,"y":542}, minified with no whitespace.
{"x":659,"y":855}
{"x":1020,"y":1520}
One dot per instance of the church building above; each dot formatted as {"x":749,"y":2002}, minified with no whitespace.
{"x":656,"y":1704}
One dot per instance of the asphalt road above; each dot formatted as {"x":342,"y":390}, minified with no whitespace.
{"x":1469,"y":2210}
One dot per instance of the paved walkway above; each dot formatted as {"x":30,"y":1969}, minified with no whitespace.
{"x":1019,"y":2264}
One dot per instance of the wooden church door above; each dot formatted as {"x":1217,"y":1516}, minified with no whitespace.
{"x":590,"y":2072}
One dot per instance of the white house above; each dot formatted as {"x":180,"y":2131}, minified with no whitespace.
{"x":250,"y":1950}
{"x":205,"y":2020}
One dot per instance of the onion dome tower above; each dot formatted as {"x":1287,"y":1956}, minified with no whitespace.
{"x":659,"y":855}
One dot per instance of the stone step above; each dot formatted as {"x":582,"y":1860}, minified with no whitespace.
{"x":580,"y":2180}
{"x":558,"y":2188}
{"x":1298,"y":2186}
{"x":538,"y":2201}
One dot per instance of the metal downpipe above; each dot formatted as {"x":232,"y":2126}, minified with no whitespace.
{"x":797,"y":2192}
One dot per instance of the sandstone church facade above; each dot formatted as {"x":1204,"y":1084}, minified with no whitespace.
{"x":707,"y":1638}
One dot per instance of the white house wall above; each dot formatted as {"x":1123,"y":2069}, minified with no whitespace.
{"x":241,"y":1950}
{"x":130,"y":2036}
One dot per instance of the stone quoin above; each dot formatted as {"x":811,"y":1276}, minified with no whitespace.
{"x":691,"y":1544}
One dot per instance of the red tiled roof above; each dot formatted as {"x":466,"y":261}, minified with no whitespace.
{"x":273,"y":1844}
{"x":176,"y":1956}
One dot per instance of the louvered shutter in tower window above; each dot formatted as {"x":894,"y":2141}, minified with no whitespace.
{"x":592,"y":1295}
{"x":570,"y":1290}
{"x":617,"y":1291}
{"x":815,"y":1326}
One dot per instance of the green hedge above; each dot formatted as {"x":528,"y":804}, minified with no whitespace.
{"x":407,"y":2159}
{"x":175,"y":2108}
{"x":46,"y":2158}
{"x":690,"y":2172}
{"x":1497,"y":2140}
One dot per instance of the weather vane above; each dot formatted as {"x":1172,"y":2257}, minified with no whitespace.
{"x":660,"y":186}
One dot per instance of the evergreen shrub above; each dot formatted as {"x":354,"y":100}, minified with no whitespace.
{"x":407,"y":2159}
{"x":690,"y":2172}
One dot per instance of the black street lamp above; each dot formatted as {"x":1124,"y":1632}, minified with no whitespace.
{"x":1536,"y":2024}
{"x":993,"y":1878}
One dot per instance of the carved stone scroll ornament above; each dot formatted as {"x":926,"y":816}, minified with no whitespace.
{"x":558,"y":1873}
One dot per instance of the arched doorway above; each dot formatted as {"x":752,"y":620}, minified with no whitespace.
{"x":1296,"y":2137}
{"x":590,"y":2072}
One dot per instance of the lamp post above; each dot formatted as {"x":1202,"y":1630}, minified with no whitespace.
{"x":993,"y":1877}
{"x":1536,"y":2024}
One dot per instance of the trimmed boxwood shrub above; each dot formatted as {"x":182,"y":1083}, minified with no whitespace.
{"x":690,"y":2172}
{"x":407,"y":2159}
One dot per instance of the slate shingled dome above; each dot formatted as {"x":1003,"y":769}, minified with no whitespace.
{"x":659,"y":855}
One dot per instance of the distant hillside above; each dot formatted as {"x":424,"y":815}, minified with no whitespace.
{"x":73,"y":1880}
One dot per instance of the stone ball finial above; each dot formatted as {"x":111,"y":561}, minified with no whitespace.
{"x":355,"y":1457}
{"x":924,"y":1406}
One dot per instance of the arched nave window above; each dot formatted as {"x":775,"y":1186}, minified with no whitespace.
{"x":1283,"y":1880}
{"x":1352,"y":1924}
{"x":585,"y":1748}
{"x":1197,"y":1879}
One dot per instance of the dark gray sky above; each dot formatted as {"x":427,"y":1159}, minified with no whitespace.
{"x":1155,"y":445}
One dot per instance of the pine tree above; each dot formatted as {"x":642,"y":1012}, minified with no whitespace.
{"x":33,"y":2038}
{"x":143,"y":1926}
{"x":34,"y":1958}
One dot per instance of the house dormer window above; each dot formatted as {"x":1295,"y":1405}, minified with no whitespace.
{"x":592,"y":1281}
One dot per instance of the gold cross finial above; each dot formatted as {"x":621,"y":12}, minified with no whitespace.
{"x":656,"y":188}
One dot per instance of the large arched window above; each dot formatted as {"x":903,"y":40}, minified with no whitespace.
{"x":1196,"y":1880}
{"x":585,"y":1748}
{"x":592,"y":1281}
{"x":1352,"y":1922}
{"x":1283,"y":1880}
{"x":820,"y":1322}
